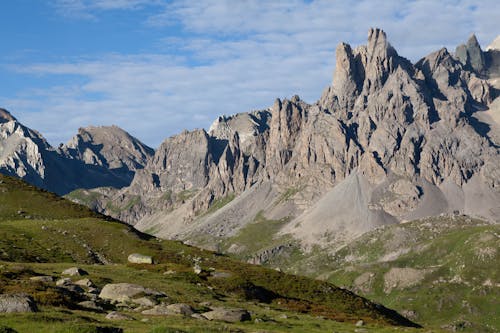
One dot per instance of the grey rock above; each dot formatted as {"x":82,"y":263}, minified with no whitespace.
{"x":44,"y":279}
{"x":74,"y":271}
{"x":85,"y":283}
{"x":91,"y":305}
{"x":64,"y":282}
{"x":114,"y":315}
{"x":137,"y":258}
{"x":124,"y":292}
{"x":171,"y":309}
{"x":11,"y":303}
{"x":228,"y":315}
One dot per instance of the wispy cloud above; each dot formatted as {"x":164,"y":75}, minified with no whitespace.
{"x":88,"y":9}
{"x":236,"y":56}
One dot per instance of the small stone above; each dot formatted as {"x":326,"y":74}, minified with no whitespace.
{"x":90,"y":305}
{"x":360,"y":323}
{"x":118,"y":316}
{"x":74,"y":271}
{"x":63,"y":282}
{"x":144,"y":301}
{"x":85,"y":283}
{"x":137,"y":258}
{"x":44,"y":279}
{"x":228,"y":315}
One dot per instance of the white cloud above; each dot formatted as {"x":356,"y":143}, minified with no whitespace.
{"x":246,"y":53}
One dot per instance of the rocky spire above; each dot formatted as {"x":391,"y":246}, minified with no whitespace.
{"x":471,"y":55}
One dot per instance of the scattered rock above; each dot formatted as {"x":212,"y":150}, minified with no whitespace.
{"x":144,"y":301}
{"x":118,"y":316}
{"x":43,"y":279}
{"x":17,"y":303}
{"x":137,"y":258}
{"x":74,"y":271}
{"x":228,"y":315}
{"x":124,"y":292}
{"x":360,"y":323}
{"x":221,"y":275}
{"x":171,"y":309}
{"x":85,"y":283}
{"x":181,"y":308}
{"x":63,"y":282}
{"x":90,"y":305}
{"x":198,"y":316}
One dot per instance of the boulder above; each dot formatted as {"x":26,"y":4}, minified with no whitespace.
{"x":181,"y":308}
{"x":228,"y":315}
{"x":64,"y":282}
{"x":74,"y":271}
{"x":144,"y":301}
{"x":137,"y":258}
{"x":124,"y":292}
{"x":17,"y":303}
{"x":171,"y":309}
{"x":91,"y":305}
{"x":118,"y":316}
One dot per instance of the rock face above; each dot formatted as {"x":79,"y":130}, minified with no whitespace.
{"x":24,"y":153}
{"x":17,"y":303}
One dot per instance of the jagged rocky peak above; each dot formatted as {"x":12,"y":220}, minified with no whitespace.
{"x":108,"y":146}
{"x":5,"y":116}
{"x":471,"y":55}
{"x":495,"y":44}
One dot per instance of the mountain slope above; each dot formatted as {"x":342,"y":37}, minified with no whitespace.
{"x":46,"y":243}
{"x":440,"y":270}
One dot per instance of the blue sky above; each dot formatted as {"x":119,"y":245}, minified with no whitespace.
{"x":156,"y":67}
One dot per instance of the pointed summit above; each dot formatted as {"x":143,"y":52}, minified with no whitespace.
{"x":5,"y":116}
{"x":471,"y":55}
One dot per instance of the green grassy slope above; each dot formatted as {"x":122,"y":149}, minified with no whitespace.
{"x":43,"y":234}
{"x":441,"y":271}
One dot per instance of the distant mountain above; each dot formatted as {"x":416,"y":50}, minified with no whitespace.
{"x":97,"y":156}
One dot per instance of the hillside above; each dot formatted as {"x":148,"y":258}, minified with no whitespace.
{"x":438,"y":271}
{"x":41,"y":235}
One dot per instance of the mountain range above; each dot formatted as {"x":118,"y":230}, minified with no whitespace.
{"x":389,"y":141}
